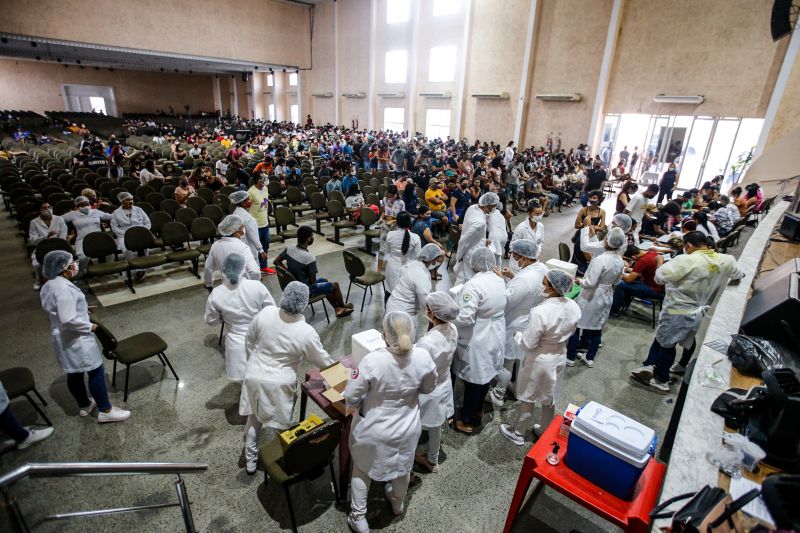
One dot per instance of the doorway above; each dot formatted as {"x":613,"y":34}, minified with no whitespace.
{"x":90,"y":99}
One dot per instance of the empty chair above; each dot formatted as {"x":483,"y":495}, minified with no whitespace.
{"x":170,"y":206}
{"x":214,"y":212}
{"x":283,"y":218}
{"x":168,"y":191}
{"x":204,"y":230}
{"x":206,"y":194}
{"x":367,"y":219}
{"x":18,"y":381}
{"x":320,"y":206}
{"x":139,"y":239}
{"x":142,"y":191}
{"x":564,"y":252}
{"x":294,"y":197}
{"x":98,"y":246}
{"x":185,"y":215}
{"x":146,"y":207}
{"x":175,"y":234}
{"x":337,"y":213}
{"x":224,"y":202}
{"x":196,"y":203}
{"x":360,"y":276}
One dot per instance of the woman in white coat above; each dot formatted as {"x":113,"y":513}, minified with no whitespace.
{"x":125,"y":217}
{"x":85,"y":220}
{"x":414,"y":282}
{"x":402,"y":246}
{"x":231,"y":228}
{"x":243,"y":203}
{"x":437,"y":407}
{"x":474,"y":234}
{"x":498,"y":234}
{"x":532,"y":227}
{"x":543,"y":344}
{"x":590,"y":244}
{"x":236,"y":302}
{"x":385,"y":391}
{"x":481,"y":336}
{"x":73,"y":342}
{"x":596,"y":297}
{"x":277,"y":340}
{"x":523,"y":278}
{"x":45,"y":226}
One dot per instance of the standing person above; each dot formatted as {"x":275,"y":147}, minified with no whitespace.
{"x":243,"y":203}
{"x":523,"y":278}
{"x":393,"y":205}
{"x":638,"y":205}
{"x":402,"y":246}
{"x":45,"y":226}
{"x":481,"y":336}
{"x":73,"y":342}
{"x":532,"y":227}
{"x":667,"y":184}
{"x":498,"y":231}
{"x":594,"y":181}
{"x":276,"y":342}
{"x":508,"y":153}
{"x":414,"y":282}
{"x":232,"y":229}
{"x":634,"y":160}
{"x":259,"y":210}
{"x":474,"y":234}
{"x":236,"y":302}
{"x":543,"y":344}
{"x":123,"y":218}
{"x":460,"y":200}
{"x":596,"y":297}
{"x":691,"y":281}
{"x":440,"y":342}
{"x":385,"y":392}
{"x":85,"y":220}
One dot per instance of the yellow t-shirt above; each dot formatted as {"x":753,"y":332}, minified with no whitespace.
{"x":226,"y":143}
{"x":438,"y":193}
{"x":259,"y":209}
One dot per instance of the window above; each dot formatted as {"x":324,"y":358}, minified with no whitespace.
{"x":272,"y":112}
{"x":396,"y":66}
{"x":394,"y":119}
{"x":270,"y":80}
{"x":437,"y":123}
{"x":397,"y":11}
{"x":294,"y":110}
{"x":445,"y":7}
{"x":293,"y":79}
{"x":442,"y":63}
{"x":98,"y":104}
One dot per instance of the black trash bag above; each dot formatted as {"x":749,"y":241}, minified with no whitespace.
{"x":754,"y":355}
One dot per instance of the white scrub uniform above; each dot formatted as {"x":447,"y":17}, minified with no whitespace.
{"x":440,"y":343}
{"x":122,"y":220}
{"x":70,"y":328}
{"x":395,"y":258}
{"x":221,"y":249}
{"x":498,"y":234}
{"x":84,"y":225}
{"x":523,"y":292}
{"x":590,"y":244}
{"x":481,"y":328}
{"x":411,"y":290}
{"x":597,"y":289}
{"x":39,"y":231}
{"x":525,"y":231}
{"x":237,"y":305}
{"x":473,"y":236}
{"x":250,"y":232}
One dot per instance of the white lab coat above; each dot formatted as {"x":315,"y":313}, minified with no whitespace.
{"x":3,"y":398}
{"x":122,"y":221}
{"x":39,"y":231}
{"x":411,"y":290}
{"x":590,"y":244}
{"x":70,"y":328}
{"x":473,"y":236}
{"x":386,"y":428}
{"x":525,"y":231}
{"x":395,"y":259}
{"x":250,"y":232}
{"x":275,"y":344}
{"x":481,"y":328}
{"x":84,"y":225}
{"x":236,"y":305}
{"x":597,"y":289}
{"x":498,"y":234}
{"x":221,"y":249}
{"x":523,"y":292}
{"x":436,"y":407}
{"x":544,"y":349}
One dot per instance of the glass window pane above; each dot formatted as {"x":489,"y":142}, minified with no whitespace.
{"x":394,"y":119}
{"x":272,"y":112}
{"x":293,"y":79}
{"x":720,"y":149}
{"x":437,"y":123}
{"x":295,"y":112}
{"x":396,"y":66}
{"x":742,"y":154}
{"x":442,"y":63}
{"x":270,"y":80}
{"x":630,"y":138}
{"x":445,"y":7}
{"x":397,"y":11}
{"x":695,"y":151}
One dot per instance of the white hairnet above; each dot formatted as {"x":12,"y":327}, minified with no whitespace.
{"x":125,"y":195}
{"x":232,"y":267}
{"x":238,"y":197}
{"x":525,"y":248}
{"x":560,"y":280}
{"x":230,"y":225}
{"x":489,"y":198}
{"x":295,"y":297}
{"x":55,"y":263}
{"x":442,"y":306}
{"x":81,"y":200}
{"x":616,"y":238}
{"x":399,"y":332}
{"x":482,"y":260}
{"x":622,"y":221}
{"x":430,"y":252}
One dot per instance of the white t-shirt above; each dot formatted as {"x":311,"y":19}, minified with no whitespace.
{"x":636,"y":207}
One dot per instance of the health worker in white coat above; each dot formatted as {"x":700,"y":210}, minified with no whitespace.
{"x":414,"y":282}
{"x":125,"y":217}
{"x":590,"y":244}
{"x":532,"y":227}
{"x":45,"y":226}
{"x":543,"y":344}
{"x":236,"y":302}
{"x":402,"y":246}
{"x":73,"y":341}
{"x":437,"y":407}
{"x":385,"y":392}
{"x":85,"y":220}
{"x":231,"y":228}
{"x":596,"y":297}
{"x":498,"y":233}
{"x":243,"y":204}
{"x":474,"y":234}
{"x":277,"y":340}
{"x":523,"y":278}
{"x":481,"y":336}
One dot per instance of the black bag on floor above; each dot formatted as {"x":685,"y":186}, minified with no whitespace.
{"x":710,"y":509}
{"x":753,"y":355}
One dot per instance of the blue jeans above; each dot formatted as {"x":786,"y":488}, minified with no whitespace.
{"x":662,"y":358}
{"x":97,"y":387}
{"x":585,"y":198}
{"x":263,"y":236}
{"x":590,"y":337}
{"x":512,"y":191}
{"x":11,"y":426}
{"x":322,"y":286}
{"x":625,"y":292}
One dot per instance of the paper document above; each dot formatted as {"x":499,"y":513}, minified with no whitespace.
{"x":755,"y":508}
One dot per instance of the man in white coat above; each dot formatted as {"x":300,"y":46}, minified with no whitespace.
{"x":385,"y":390}
{"x":236,"y":302}
{"x":590,"y":244}
{"x":277,"y":340}
{"x":125,"y":217}
{"x":231,"y":228}
{"x":481,"y":336}
{"x":532,"y":227}
{"x":543,"y":343}
{"x":474,"y":234}
{"x":523,"y":278}
{"x":45,"y":226}
{"x":414,"y":282}
{"x":243,"y":203}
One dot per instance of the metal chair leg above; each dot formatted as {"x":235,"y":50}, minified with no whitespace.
{"x":363,"y":299}
{"x":161,"y":359}
{"x":347,"y":298}
{"x":335,"y":485}
{"x":130,"y":281}
{"x":36,"y":392}
{"x":289,"y":505}
{"x":325,"y":308}
{"x":38,"y":409}
{"x":170,"y":366}
{"x":114,"y":374}
{"x":127,"y":376}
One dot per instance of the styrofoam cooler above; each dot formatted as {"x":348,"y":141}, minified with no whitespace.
{"x":609,"y":449}
{"x":564,"y":266}
{"x":366,"y":342}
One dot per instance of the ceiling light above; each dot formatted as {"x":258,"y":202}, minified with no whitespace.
{"x":694,"y":99}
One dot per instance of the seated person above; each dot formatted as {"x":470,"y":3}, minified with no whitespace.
{"x":436,"y":200}
{"x":638,"y":281}
{"x":184,"y":191}
{"x":422,"y":227}
{"x":724,"y":218}
{"x":354,"y":201}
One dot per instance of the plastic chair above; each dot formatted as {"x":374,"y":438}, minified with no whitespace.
{"x":18,"y":381}
{"x":319,"y":205}
{"x":98,"y":246}
{"x":196,"y":203}
{"x":204,"y":229}
{"x":140,"y":239}
{"x":367,"y":219}
{"x":360,"y":276}
{"x":214,"y":212}
{"x":176,"y":234}
{"x":185,"y":215}
{"x":564,"y":252}
{"x":283,"y":218}
{"x":337,"y":213}
{"x":285,"y":277}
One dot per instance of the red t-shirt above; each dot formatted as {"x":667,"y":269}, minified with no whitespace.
{"x":646,"y":268}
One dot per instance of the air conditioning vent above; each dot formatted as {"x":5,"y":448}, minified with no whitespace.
{"x":491,"y":96}
{"x":355,"y":95}
{"x":575,"y":97}
{"x":442,"y":94}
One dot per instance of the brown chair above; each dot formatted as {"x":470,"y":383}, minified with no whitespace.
{"x":360,"y":276}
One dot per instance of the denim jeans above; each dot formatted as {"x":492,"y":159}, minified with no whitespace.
{"x":263,"y":236}
{"x":662,"y":358}
{"x":97,"y":387}
{"x":625,"y":292}
{"x":474,"y":395}
{"x":11,"y":426}
{"x":590,"y":337}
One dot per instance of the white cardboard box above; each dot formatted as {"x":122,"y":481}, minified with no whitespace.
{"x":366,"y":342}
{"x":557,"y":264}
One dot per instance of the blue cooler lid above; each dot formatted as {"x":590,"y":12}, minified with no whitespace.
{"x":616,"y":429}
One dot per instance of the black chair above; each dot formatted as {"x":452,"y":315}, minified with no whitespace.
{"x":196,"y":203}
{"x":204,"y":230}
{"x":360,"y":276}
{"x":176,"y":234}
{"x":99,"y":246}
{"x":185,"y":215}
{"x":18,"y":381}
{"x":285,"y":277}
{"x":284,"y":217}
{"x":140,"y":239}
{"x":564,"y":252}
{"x":170,"y":206}
{"x":214,"y":212}
{"x":48,"y":245}
{"x":337,"y":213}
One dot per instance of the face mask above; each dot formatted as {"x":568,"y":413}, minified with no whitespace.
{"x":47,"y":213}
{"x":514,"y":265}
{"x":85,"y":210}
{"x":184,"y":183}
{"x":536,"y":218}
{"x":594,"y":202}
{"x":73,"y":269}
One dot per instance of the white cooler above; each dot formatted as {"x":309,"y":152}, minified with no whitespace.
{"x":557,"y":264}
{"x":366,"y":342}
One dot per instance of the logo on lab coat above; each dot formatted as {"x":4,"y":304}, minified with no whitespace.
{"x":354,"y":374}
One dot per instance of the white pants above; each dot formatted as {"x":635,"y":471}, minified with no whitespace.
{"x":432,"y":446}
{"x":252,"y":433}
{"x":359,"y":488}
{"x":525,"y":416}
{"x":504,"y":377}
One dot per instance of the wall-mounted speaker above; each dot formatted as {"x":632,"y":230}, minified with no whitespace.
{"x":780,"y":23}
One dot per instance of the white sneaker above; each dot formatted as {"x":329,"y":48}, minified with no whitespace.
{"x":34,"y":436}
{"x":587,"y":362}
{"x":358,"y":525}
{"x":659,"y":386}
{"x":86,"y":411}
{"x":509,"y":433}
{"x":677,"y":368}
{"x":114,"y":415}
{"x":397,"y":508}
{"x":570,"y":362}
{"x":37,"y":285}
{"x":251,"y":467}
{"x":538,"y":430}
{"x":496,"y":399}
{"x":643,"y":374}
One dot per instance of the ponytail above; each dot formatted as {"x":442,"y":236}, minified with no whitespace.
{"x":406,"y":242}
{"x":404,"y":222}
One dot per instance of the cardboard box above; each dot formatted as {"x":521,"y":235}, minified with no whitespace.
{"x":557,"y":264}
{"x":290,"y":435}
{"x":364,"y":343}
{"x":569,"y":416}
{"x":335,"y":378}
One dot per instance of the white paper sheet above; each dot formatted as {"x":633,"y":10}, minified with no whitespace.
{"x":755,"y":508}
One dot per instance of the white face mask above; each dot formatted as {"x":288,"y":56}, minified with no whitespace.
{"x":514,"y":265}
{"x":536,"y":218}
{"x":85,"y":210}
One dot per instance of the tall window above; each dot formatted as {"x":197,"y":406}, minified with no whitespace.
{"x":272,"y":112}
{"x":394,"y":119}
{"x":98,"y":104}
{"x":294,"y":110}
{"x":437,"y":123}
{"x":397,"y":11}
{"x":445,"y":7}
{"x":442,"y":63}
{"x":293,"y":79}
{"x":396,"y":66}
{"x":270,"y":80}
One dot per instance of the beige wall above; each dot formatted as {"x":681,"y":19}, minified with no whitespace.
{"x":321,"y":78}
{"x":354,"y":50}
{"x":788,"y":117}
{"x":36,"y":86}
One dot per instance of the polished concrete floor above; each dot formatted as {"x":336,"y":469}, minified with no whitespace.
{"x":197,"y":420}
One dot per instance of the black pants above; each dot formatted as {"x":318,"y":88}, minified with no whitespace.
{"x":662,"y":193}
{"x":473,"y":402}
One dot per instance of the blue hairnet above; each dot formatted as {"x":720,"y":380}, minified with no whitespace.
{"x":233,"y":266}
{"x":55,"y":263}
{"x":482,"y":260}
{"x":560,"y":280}
{"x":230,"y":225}
{"x":399,"y":332}
{"x":238,"y":197}
{"x":623,"y":221}
{"x":430,"y":252}
{"x":295,"y":297}
{"x":489,"y":198}
{"x":525,"y":248}
{"x":442,"y":306}
{"x":616,"y":238}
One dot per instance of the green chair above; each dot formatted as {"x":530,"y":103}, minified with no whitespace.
{"x":564,"y":253}
{"x":146,"y":207}
{"x":367,"y":219}
{"x":131,"y":350}
{"x":204,"y":230}
{"x":185,"y":215}
{"x":142,"y":191}
{"x":304,"y":459}
{"x":196,"y":203}
{"x":139,"y":239}
{"x":275,"y":193}
{"x":285,"y":277}
{"x":18,"y":381}
{"x":320,"y":207}
{"x":206,"y":194}
{"x":337,"y":213}
{"x":360,"y":276}
{"x":336,"y":195}
{"x":99,"y":246}
{"x":170,"y":206}
{"x":283,"y":218}
{"x":214,"y":212}
{"x":175,"y":234}
{"x":157,"y":221}
{"x":223,"y":202}
{"x":294,"y":197}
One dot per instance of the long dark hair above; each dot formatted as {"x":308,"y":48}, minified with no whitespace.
{"x":701,"y":218}
{"x":404,"y":222}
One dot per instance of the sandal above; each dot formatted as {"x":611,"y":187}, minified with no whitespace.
{"x":462,"y":427}
{"x":436,"y":276}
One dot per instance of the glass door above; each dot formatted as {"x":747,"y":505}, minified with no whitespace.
{"x":695,"y":154}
